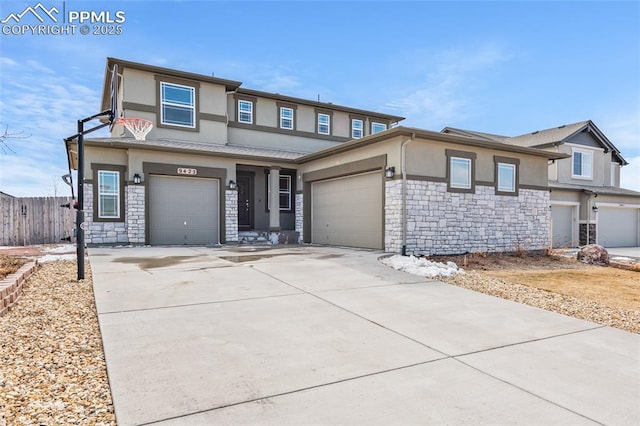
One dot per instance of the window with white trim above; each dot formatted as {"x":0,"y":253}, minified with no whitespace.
{"x":506,"y":177}
{"x":286,"y":118}
{"x":460,"y":173}
{"x":378,"y":127}
{"x":357,"y":128}
{"x":285,"y":193}
{"x":614,"y":174}
{"x":245,"y":111}
{"x":178,"y":105}
{"x":582,"y":164}
{"x":324,"y":124}
{"x":108,"y":194}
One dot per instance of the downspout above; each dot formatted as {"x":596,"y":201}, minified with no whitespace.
{"x":404,"y":192}
{"x":226,"y":115}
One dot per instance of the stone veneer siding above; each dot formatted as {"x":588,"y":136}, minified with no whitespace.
{"x":441,"y":222}
{"x":135,"y":209}
{"x":103,"y":232}
{"x":231,"y":215}
{"x":299,"y":217}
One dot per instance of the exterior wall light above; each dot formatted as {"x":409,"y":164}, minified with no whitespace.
{"x":137,"y":179}
{"x":389,"y":172}
{"x":595,"y":209}
{"x":232,"y":184}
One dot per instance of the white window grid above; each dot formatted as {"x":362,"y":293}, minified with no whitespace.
{"x":378,"y":127}
{"x":357,"y":127}
{"x":586,"y":164}
{"x":190,"y":106}
{"x":286,"y":118}
{"x":107,"y":192}
{"x":460,"y":178}
{"x":245,"y":111}
{"x":324,"y":124}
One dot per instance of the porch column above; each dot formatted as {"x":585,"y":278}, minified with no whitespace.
{"x":274,"y":199}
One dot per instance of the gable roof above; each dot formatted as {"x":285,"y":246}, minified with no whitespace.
{"x":548,"y":137}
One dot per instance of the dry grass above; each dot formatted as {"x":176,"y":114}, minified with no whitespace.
{"x":613,"y":287}
{"x":9,"y":265}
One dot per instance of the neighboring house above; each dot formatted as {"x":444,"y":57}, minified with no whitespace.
{"x":5,"y":195}
{"x":220,"y":158}
{"x":587,"y":203}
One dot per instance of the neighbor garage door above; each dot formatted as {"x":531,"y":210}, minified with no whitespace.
{"x":562,"y":222}
{"x":348,"y":211}
{"x":618,"y":227}
{"x":183,"y":210}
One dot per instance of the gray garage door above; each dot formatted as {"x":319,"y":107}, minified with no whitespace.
{"x":618,"y":227}
{"x":183,"y":210}
{"x":562,"y":221}
{"x":348,"y":211}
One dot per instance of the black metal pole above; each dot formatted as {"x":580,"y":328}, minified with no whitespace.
{"x":80,"y":211}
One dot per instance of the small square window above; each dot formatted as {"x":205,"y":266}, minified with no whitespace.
{"x":245,"y":111}
{"x":357,"y":127}
{"x":378,"y":127}
{"x":324,"y":124}
{"x":286,"y":118}
{"x":460,"y":173}
{"x":506,"y":177}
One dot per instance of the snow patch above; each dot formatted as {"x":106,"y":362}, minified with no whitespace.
{"x":64,"y":248}
{"x":421,"y":266}
{"x":56,"y":257}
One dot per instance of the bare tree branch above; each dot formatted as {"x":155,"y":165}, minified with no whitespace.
{"x":4,"y":146}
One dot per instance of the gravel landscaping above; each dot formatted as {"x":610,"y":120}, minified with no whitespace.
{"x":52,"y":367}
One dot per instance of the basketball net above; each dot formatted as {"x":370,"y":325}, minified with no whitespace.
{"x":139,"y":127}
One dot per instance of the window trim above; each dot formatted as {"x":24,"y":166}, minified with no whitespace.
{"x":613,"y":178}
{"x":241,"y":111}
{"x":237,"y":97}
{"x":281,"y":106}
{"x":329,"y":114}
{"x":515,"y":162}
{"x":378,"y":123}
{"x":361,"y":120}
{"x":582,"y":152}
{"x":464,"y":155}
{"x":120,"y":170}
{"x":196,"y":104}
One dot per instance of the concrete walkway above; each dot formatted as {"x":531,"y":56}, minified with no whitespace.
{"x":308,"y":335}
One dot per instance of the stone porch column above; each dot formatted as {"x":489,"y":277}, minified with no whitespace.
{"x":274,"y":199}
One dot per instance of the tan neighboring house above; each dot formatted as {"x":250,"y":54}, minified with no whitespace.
{"x":587,"y":203}
{"x":224,"y":164}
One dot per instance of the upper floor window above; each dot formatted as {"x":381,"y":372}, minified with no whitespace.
{"x":378,"y":127}
{"x":245,"y":111}
{"x":357,"y":128}
{"x":614,"y":174}
{"x":108,"y":194}
{"x":286,"y":118}
{"x":582,"y":166}
{"x":324,"y":124}
{"x":178,"y":105}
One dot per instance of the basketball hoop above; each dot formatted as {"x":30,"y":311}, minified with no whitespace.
{"x":139,"y":127}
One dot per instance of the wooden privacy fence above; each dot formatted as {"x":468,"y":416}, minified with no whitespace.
{"x":35,"y":220}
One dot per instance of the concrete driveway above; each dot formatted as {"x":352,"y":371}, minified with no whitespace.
{"x":308,"y":335}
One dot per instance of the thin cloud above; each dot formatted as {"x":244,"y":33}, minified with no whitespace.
{"x":450,"y":77}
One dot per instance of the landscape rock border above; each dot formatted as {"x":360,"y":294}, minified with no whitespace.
{"x":11,"y":287}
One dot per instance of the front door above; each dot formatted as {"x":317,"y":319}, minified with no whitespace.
{"x":245,"y":201}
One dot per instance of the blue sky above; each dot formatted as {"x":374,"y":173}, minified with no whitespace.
{"x":498,"y":67}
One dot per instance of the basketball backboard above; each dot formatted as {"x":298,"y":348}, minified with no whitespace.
{"x":113,"y":112}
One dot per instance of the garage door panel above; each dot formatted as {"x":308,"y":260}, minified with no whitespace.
{"x":563,"y":224}
{"x":618,"y":227}
{"x":348,"y":211}
{"x":183,"y":210}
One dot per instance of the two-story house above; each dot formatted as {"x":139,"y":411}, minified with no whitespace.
{"x":224,"y":164}
{"x":587,"y":203}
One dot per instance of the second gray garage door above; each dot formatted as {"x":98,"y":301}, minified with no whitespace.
{"x":183,"y":210}
{"x":618,"y":227}
{"x":348,"y":211}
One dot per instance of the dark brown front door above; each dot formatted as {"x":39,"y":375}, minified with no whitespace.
{"x":245,"y":201}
